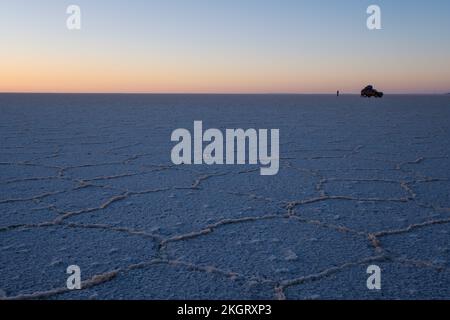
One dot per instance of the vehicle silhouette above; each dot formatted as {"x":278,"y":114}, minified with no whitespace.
{"x":369,"y":92}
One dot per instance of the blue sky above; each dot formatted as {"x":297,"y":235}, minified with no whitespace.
{"x":224,"y":46}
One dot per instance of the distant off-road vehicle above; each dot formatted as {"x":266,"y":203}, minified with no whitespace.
{"x":369,"y":92}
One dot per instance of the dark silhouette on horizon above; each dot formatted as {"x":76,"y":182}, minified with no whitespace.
{"x":369,"y":92}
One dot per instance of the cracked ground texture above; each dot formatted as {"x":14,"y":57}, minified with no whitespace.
{"x":87,"y":180}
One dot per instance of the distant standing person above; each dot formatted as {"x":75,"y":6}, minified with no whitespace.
{"x":337,"y":93}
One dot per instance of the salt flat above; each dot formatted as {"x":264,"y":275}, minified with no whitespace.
{"x":87,"y":180}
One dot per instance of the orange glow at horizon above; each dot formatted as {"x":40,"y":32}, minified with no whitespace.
{"x":46,"y":72}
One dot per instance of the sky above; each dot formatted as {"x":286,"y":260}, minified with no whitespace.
{"x":224,"y":46}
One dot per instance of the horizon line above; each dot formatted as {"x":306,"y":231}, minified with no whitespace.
{"x":215,"y":93}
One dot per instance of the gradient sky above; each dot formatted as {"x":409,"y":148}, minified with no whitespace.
{"x":255,"y":46}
